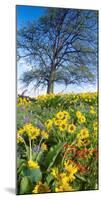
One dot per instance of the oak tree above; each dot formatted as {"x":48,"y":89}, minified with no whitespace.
{"x":61,"y":47}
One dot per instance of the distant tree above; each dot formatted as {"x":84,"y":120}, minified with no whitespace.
{"x":61,"y":47}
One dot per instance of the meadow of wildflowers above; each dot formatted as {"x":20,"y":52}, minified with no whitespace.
{"x":57,"y":143}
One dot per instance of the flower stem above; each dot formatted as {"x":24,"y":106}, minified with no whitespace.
{"x":39,"y":147}
{"x":30,"y":151}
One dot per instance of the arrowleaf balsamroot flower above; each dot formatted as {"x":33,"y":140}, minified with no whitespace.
{"x":64,"y":188}
{"x":19,"y":139}
{"x":71,"y":169}
{"x":57,"y":122}
{"x":84,"y":133}
{"x":63,"y":125}
{"x":71,"y":128}
{"x":83,"y":142}
{"x":20,"y":131}
{"x":31,"y":131}
{"x":66,"y":115}
{"x":41,"y":188}
{"x":82,"y":119}
{"x":78,"y":114}
{"x":23,"y":101}
{"x":44,"y":147}
{"x":48,"y":124}
{"x":83,"y":137}
{"x":63,"y":115}
{"x":44,"y":134}
{"x":60,"y":115}
{"x":63,"y":183}
{"x":33,"y":164}
{"x":54,"y":172}
{"x":92,"y":110}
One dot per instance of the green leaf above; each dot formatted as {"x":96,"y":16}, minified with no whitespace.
{"x":80,"y":178}
{"x":25,"y":186}
{"x":20,"y":162}
{"x":35,"y":175}
{"x":52,"y":155}
{"x":39,"y":157}
{"x":49,"y":179}
{"x":21,"y":168}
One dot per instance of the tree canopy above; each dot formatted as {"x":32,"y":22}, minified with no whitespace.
{"x":61,"y":47}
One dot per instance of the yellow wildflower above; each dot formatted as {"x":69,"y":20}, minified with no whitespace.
{"x":33,"y":164}
{"x":57,"y":122}
{"x":71,"y":170}
{"x":92,"y":110}
{"x":82,"y":142}
{"x":83,"y":137}
{"x":63,"y":115}
{"x":45,"y":134}
{"x":63,"y":188}
{"x":63,"y":182}
{"x":63,"y":125}
{"x":31,"y":131}
{"x":71,"y":128}
{"x":60,"y":115}
{"x":95,"y":134}
{"x":49,"y":124}
{"x":19,"y":139}
{"x":20,"y":131}
{"x":63,"y":178}
{"x":23,"y":101}
{"x":54,"y":172}
{"x":78,"y":114}
{"x":82,"y":119}
{"x":41,"y":188}
{"x":70,"y":166}
{"x":84,"y":133}
{"x":95,"y":129}
{"x":35,"y":133}
{"x":66,"y":115}
{"x":95,"y":124}
{"x":44,"y":147}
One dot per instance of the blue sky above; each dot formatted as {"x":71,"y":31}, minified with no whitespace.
{"x":27,"y":14}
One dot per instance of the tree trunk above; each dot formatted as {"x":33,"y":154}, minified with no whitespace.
{"x":50,"y":87}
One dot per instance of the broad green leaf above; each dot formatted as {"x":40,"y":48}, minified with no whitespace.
{"x":49,"y":179}
{"x":25,"y":186}
{"x":39,"y":157}
{"x":35,"y":175}
{"x":52,"y":155}
{"x":80,"y":178}
{"x":20,"y":162}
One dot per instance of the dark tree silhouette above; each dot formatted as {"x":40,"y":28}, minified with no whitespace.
{"x":61,"y":47}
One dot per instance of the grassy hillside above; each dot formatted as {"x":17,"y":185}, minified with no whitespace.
{"x":57,"y":141}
